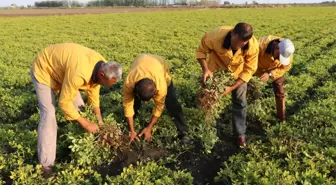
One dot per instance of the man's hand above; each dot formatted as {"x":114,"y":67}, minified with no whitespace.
{"x":91,"y":128}
{"x":148,"y":133}
{"x":206,"y":73}
{"x":133,"y":135}
{"x":228,"y":90}
{"x":97,"y":112}
{"x":87,"y":125}
{"x":264,"y":77}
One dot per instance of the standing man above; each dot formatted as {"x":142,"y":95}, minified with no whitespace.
{"x":234,"y":50}
{"x":275,"y":59}
{"x":149,"y":78}
{"x":65,"y":69}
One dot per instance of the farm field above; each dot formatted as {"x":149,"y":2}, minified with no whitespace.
{"x":301,"y":150}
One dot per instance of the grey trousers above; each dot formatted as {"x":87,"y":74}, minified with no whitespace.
{"x":47,"y":128}
{"x":239,"y":104}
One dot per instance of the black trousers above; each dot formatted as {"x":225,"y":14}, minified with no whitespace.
{"x":174,"y":109}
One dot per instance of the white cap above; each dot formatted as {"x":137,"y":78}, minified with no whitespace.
{"x":286,"y":50}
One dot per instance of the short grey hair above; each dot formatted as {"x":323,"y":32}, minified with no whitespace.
{"x":112,"y":70}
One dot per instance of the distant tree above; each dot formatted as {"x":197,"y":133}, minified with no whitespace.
{"x":75,"y":4}
{"x":328,"y":2}
{"x":94,"y":3}
{"x":255,"y":2}
{"x":49,"y":4}
{"x":226,"y":2}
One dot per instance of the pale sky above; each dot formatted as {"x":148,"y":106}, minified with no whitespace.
{"x":27,"y":2}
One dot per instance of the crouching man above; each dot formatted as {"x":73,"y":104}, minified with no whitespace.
{"x":65,"y":69}
{"x":149,"y":78}
{"x":275,"y":59}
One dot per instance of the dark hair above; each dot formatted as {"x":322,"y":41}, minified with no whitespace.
{"x":145,"y":89}
{"x":244,"y":31}
{"x":270,"y":48}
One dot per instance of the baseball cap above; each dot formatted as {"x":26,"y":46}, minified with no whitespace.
{"x":286,"y":50}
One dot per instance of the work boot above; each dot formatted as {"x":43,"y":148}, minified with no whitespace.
{"x":241,"y":141}
{"x":47,"y":172}
{"x":185,"y":140}
{"x":281,"y":108}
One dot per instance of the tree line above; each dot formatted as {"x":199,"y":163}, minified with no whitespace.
{"x":97,"y":3}
{"x":60,"y":3}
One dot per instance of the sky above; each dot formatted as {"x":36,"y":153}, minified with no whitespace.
{"x":4,"y":3}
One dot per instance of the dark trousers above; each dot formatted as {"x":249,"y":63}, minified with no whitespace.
{"x":174,"y":109}
{"x":238,"y":112}
{"x":239,"y":104}
{"x":279,"y":87}
{"x":279,"y":91}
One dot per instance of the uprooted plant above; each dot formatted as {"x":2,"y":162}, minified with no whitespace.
{"x":107,"y":145}
{"x":99,"y":148}
{"x":211,"y":98}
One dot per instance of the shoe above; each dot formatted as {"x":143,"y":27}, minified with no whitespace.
{"x":185,"y":140}
{"x":219,"y":133}
{"x":47,"y":171}
{"x":242,"y":141}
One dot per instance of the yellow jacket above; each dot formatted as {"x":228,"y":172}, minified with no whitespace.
{"x":152,"y":67}
{"x":68,"y":68}
{"x":219,"y":54}
{"x":266,"y":61}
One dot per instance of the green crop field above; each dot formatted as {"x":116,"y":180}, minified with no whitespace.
{"x":301,"y":150}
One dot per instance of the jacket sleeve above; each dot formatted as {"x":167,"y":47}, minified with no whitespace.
{"x":68,"y":94}
{"x":281,"y":70}
{"x":93,"y":96}
{"x":128,"y":100}
{"x":204,"y":47}
{"x":250,"y":64}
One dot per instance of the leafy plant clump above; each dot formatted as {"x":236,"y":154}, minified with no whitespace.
{"x":211,"y":98}
{"x":151,"y":173}
{"x":254,"y":88}
{"x":99,"y":148}
{"x":111,"y":136}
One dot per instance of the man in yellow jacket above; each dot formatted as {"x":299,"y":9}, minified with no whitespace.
{"x":149,"y":78}
{"x":65,"y":69}
{"x":234,"y":50}
{"x":275,"y":59}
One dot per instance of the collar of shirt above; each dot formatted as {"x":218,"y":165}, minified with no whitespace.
{"x":95,"y":71}
{"x":227,"y":41}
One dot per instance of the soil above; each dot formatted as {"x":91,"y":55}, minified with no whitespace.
{"x":203,"y":167}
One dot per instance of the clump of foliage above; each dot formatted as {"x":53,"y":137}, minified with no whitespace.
{"x":254,"y":89}
{"x":211,"y":98}
{"x":99,"y":148}
{"x":151,"y":173}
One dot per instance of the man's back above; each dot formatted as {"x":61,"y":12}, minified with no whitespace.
{"x":149,"y":66}
{"x":54,"y":62}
